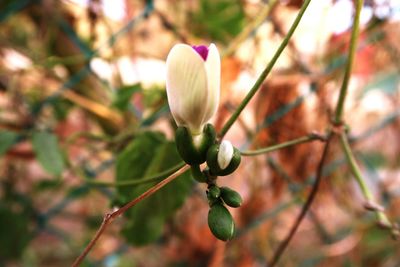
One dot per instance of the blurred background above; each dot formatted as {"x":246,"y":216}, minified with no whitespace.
{"x":83,"y":113}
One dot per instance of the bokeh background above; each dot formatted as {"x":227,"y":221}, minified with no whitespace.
{"x":83,"y":110}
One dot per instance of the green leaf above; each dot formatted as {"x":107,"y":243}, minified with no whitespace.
{"x":7,"y":140}
{"x":387,"y":83}
{"x":48,"y":152}
{"x":61,"y":108}
{"x":219,"y":20}
{"x":373,"y":159}
{"x":148,"y":154}
{"x":123,"y":96}
{"x":14,"y":232}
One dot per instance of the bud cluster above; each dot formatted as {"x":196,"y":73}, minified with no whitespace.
{"x":222,"y":159}
{"x":193,"y":89}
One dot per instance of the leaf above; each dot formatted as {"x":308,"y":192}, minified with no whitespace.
{"x":61,"y":108}
{"x":386,"y":82}
{"x":220,"y":20}
{"x":48,"y":152}
{"x":14,"y":232}
{"x":373,"y":159}
{"x":7,"y":140}
{"x":149,"y":153}
{"x":123,"y":96}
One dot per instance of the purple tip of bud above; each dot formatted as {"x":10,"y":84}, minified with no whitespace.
{"x":202,"y":50}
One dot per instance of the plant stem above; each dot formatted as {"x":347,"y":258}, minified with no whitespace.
{"x":300,"y":140}
{"x":153,"y":178}
{"x":381,"y":216}
{"x":283,"y":245}
{"x":349,"y":65}
{"x":109,"y":217}
{"x":265,"y":72}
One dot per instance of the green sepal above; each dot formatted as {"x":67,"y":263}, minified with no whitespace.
{"x":212,"y":161}
{"x":231,"y":197}
{"x":190,"y":152}
{"x":220,"y":222}
{"x":197,"y":174}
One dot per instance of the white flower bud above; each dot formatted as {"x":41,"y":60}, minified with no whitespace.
{"x":193,"y":85}
{"x":225,"y":154}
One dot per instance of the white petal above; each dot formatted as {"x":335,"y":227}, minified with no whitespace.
{"x":186,"y":86}
{"x":225,"y":154}
{"x":213,"y":69}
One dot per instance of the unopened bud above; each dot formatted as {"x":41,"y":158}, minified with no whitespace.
{"x":223,"y":159}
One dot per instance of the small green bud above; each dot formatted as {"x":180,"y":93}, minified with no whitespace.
{"x":193,"y":149}
{"x":214,"y":192}
{"x":221,"y":222}
{"x":223,"y":159}
{"x":231,"y":197}
{"x":197,"y":174}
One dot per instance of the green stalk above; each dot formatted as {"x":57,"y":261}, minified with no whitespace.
{"x":349,"y":65}
{"x":300,"y":140}
{"x":381,"y":216}
{"x":153,"y":178}
{"x":265,"y":72}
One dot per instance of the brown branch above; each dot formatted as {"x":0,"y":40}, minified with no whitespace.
{"x":109,"y":217}
{"x":278,"y":253}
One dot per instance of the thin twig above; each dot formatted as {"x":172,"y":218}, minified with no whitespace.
{"x":109,"y":217}
{"x":370,"y":203}
{"x":349,"y":65}
{"x":153,"y":178}
{"x":278,"y":253}
{"x":300,"y":140}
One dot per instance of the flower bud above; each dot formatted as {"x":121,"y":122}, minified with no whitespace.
{"x":221,"y":222}
{"x":225,"y":154}
{"x":231,"y":197}
{"x":223,"y":159}
{"x":214,"y":192}
{"x":193,"y":149}
{"x":197,"y":174}
{"x":193,"y":85}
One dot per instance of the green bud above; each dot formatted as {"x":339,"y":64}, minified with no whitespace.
{"x":231,"y":197}
{"x":212,"y":161}
{"x":193,"y":149}
{"x":221,"y":222}
{"x":197,"y":174}
{"x":214,"y":192}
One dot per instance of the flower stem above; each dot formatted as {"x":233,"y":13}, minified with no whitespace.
{"x":300,"y":140}
{"x":153,"y":178}
{"x":109,"y":217}
{"x":381,"y":216}
{"x":265,"y":72}
{"x":349,"y":65}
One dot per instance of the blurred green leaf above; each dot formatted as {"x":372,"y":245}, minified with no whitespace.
{"x":123,"y":96}
{"x":219,"y":20}
{"x":44,"y":185}
{"x":14,"y":233}
{"x":373,"y":160}
{"x":149,"y":153}
{"x":386,"y":82}
{"x":61,"y":108}
{"x":7,"y":140}
{"x":154,"y":97}
{"x":78,"y":192}
{"x":48,"y":152}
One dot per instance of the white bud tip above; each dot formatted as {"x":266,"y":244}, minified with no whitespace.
{"x":225,"y":154}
